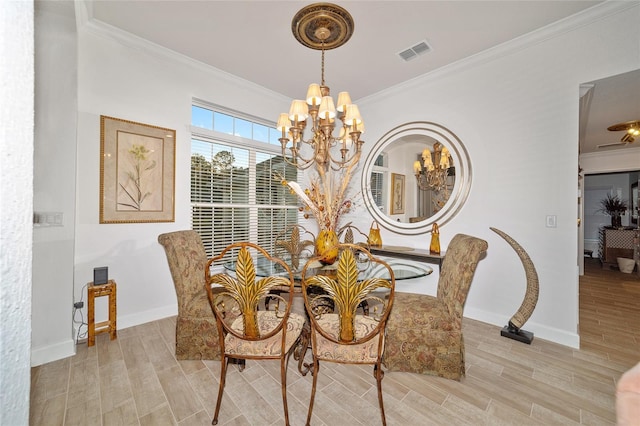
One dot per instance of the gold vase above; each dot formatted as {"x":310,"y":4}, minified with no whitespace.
{"x":327,"y":246}
{"x":434,"y":247}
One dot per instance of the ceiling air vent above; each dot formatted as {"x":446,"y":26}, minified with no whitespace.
{"x":413,"y":51}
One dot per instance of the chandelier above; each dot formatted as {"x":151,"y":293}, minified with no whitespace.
{"x":322,"y":26}
{"x":433,"y":172}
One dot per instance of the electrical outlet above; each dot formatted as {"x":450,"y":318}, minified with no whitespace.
{"x":78,"y":305}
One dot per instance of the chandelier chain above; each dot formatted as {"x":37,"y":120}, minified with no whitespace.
{"x":322,"y":68}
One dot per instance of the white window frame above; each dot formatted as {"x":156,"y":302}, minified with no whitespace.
{"x":215,"y":137}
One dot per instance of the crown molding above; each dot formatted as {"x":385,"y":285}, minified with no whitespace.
{"x":568,"y":24}
{"x":87,"y":24}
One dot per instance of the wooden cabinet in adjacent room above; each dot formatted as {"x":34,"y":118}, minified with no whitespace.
{"x":615,"y":243}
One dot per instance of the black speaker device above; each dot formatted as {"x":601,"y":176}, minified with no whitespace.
{"x":100,"y":275}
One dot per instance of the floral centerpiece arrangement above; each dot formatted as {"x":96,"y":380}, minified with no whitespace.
{"x":326,"y":200}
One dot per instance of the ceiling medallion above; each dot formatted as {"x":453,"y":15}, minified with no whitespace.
{"x":322,"y":26}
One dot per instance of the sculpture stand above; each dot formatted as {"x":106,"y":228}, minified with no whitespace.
{"x":513,"y":332}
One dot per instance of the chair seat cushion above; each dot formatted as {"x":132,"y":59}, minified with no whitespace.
{"x":364,"y":353}
{"x":271,"y":347}
{"x":422,"y":312}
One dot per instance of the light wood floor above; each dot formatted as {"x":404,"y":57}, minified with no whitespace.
{"x":135,"y":380}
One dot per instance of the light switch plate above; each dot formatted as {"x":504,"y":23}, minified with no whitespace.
{"x":551,"y":221}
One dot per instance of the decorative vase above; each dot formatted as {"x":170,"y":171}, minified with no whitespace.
{"x":616,"y":221}
{"x":434,"y":247}
{"x":327,"y":246}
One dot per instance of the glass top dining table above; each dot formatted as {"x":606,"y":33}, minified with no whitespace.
{"x":403,"y":269}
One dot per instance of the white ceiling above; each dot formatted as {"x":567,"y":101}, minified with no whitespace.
{"x":253,"y":40}
{"x":613,"y":100}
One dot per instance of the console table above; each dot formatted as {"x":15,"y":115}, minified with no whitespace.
{"x":419,"y":255}
{"x":615,"y":243}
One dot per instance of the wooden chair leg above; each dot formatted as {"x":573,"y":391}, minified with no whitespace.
{"x":223,"y":376}
{"x":283,"y":384}
{"x":379,"y":374}
{"x":314,"y":373}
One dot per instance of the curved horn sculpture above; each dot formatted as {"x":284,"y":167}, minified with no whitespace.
{"x":518,"y":319}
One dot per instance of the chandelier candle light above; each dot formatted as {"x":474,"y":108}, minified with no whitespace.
{"x":323,"y":26}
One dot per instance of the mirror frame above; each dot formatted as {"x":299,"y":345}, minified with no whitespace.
{"x":460,"y":190}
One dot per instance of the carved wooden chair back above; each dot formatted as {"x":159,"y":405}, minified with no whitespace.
{"x":246,"y":328}
{"x":332,"y":295}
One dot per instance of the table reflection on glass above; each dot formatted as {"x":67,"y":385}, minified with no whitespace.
{"x":403,"y":269}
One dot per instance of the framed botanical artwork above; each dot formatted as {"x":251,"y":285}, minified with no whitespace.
{"x":137,"y":172}
{"x":397,"y":193}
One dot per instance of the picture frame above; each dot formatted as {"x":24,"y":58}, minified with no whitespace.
{"x":397,"y":194}
{"x":137,"y":172}
{"x":634,"y":203}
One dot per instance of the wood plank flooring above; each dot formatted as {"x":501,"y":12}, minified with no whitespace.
{"x":136,"y":380}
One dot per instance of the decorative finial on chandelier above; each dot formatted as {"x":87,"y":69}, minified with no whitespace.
{"x":322,"y":26}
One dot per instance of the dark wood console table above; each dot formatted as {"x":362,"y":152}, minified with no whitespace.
{"x":419,"y":255}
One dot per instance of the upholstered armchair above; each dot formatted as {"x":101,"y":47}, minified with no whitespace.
{"x":424,"y":333}
{"x":196,"y":329}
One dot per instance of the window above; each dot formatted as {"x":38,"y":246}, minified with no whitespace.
{"x":234,"y":196}
{"x":378,"y":181}
{"x":377,"y":190}
{"x":228,"y":122}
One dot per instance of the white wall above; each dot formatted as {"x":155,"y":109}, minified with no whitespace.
{"x":16,"y":206}
{"x":132,"y":80}
{"x":54,"y":180}
{"x":516,"y":111}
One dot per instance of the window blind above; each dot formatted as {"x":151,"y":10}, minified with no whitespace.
{"x":236,"y":195}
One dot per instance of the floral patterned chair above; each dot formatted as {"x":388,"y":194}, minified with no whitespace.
{"x":424,"y":333}
{"x":246,"y":332}
{"x":196,"y":331}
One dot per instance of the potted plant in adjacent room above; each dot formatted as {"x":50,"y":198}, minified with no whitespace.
{"x":615,"y":207}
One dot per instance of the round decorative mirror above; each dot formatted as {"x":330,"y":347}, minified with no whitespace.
{"x":417,"y":174}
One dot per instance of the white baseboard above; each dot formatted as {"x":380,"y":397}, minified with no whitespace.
{"x":592,"y":245}
{"x":138,"y":318}
{"x":540,"y":331}
{"x":67,"y":348}
{"x":54,"y":352}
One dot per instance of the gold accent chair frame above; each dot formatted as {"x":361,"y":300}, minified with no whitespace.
{"x":137,"y":172}
{"x":397,"y":193}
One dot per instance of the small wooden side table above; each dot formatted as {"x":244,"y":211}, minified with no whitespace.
{"x":93,"y":291}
